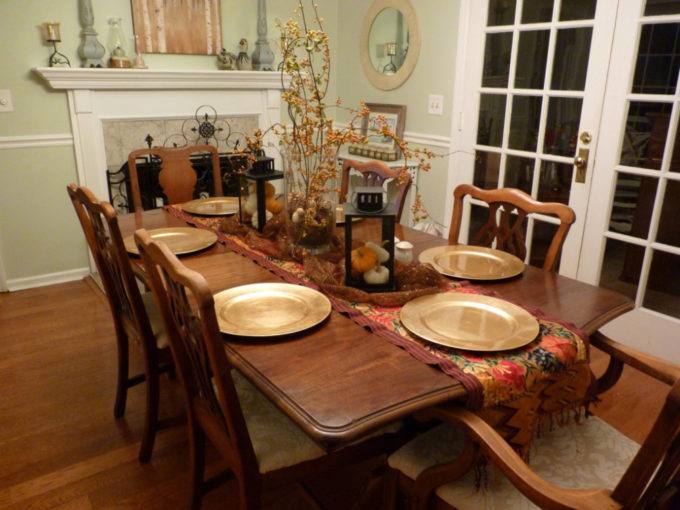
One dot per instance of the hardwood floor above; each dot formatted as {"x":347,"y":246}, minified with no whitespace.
{"x":60,"y":446}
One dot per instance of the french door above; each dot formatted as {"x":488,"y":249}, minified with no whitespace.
{"x":632,"y":238}
{"x":535,"y":74}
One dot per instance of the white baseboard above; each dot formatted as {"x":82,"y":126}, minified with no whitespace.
{"x":47,"y":279}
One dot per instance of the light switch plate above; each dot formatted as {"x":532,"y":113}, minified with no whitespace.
{"x":435,"y":104}
{"x":6,"y":104}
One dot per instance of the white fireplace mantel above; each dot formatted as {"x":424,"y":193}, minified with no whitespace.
{"x":98,"y":95}
{"x":125,"y":79}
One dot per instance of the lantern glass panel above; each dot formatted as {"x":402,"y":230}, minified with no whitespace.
{"x":369,"y":249}
{"x":258,"y":201}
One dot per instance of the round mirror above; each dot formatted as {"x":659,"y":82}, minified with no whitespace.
{"x":390,"y":43}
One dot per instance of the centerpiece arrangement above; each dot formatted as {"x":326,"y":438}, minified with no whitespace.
{"x":305,"y":229}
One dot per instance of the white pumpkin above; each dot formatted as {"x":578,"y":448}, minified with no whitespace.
{"x":250,"y":207}
{"x":379,"y":275}
{"x":255,"y":222}
{"x":298,"y":215}
{"x":382,"y":254}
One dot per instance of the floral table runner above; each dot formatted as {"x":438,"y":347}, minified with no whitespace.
{"x":490,"y":379}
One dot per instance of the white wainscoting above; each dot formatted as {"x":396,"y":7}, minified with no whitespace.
{"x":30,"y":141}
{"x":428,"y":139}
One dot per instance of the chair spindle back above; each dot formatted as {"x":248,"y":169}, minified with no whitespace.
{"x":508,"y":232}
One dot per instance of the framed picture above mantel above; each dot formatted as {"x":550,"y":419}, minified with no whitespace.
{"x":187,"y":27}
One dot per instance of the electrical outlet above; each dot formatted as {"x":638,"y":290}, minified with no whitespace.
{"x":435,"y":104}
{"x":6,"y":101}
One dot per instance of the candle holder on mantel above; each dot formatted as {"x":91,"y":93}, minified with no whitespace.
{"x":53,"y":35}
{"x":257,"y":195}
{"x":370,"y":267}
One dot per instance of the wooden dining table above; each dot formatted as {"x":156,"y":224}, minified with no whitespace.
{"x":339,"y":381}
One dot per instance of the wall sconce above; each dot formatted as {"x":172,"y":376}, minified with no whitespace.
{"x":53,"y":35}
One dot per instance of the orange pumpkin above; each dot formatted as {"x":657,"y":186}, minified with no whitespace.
{"x":273,"y":205}
{"x":269,"y":189}
{"x":363,"y":259}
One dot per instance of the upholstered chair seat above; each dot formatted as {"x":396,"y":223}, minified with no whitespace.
{"x":579,"y":455}
{"x":277,"y":441}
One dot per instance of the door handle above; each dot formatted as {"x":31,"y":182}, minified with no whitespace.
{"x":581,"y":164}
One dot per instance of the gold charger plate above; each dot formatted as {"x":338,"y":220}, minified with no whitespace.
{"x":269,"y":309}
{"x":180,"y":240}
{"x":469,"y":321}
{"x":473,"y":262}
{"x":212,"y":206}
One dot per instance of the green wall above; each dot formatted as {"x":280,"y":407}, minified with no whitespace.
{"x":433,"y":74}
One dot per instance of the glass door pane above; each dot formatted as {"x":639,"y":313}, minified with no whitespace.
{"x":643,"y":214}
{"x":531,"y":97}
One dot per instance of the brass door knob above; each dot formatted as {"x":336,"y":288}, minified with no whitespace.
{"x":580,"y":162}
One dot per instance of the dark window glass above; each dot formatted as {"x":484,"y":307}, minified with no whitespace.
{"x":658,"y":60}
{"x":554,"y":183}
{"x":570,"y":65}
{"x":633,"y":203}
{"x":621,"y":267}
{"x":669,"y":222}
{"x":487,"y":165}
{"x":501,"y":12}
{"x":540,"y":242}
{"x":491,"y":119}
{"x":645,"y":136}
{"x":577,"y":9}
{"x":526,"y":114}
{"x":478,"y":218}
{"x":497,"y":59}
{"x":536,"y":11}
{"x":561,"y":129}
{"x":657,"y":7}
{"x":663,"y":285}
{"x":531,"y":59}
{"x":519,"y":173}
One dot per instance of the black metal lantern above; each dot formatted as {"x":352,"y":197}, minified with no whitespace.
{"x":379,"y":278}
{"x":257,"y":199}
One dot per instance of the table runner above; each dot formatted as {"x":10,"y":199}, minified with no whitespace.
{"x":490,"y":379}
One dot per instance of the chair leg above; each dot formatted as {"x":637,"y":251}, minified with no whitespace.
{"x":151,"y":420}
{"x":123,"y":373}
{"x":197,"y":455}
{"x":390,"y":488}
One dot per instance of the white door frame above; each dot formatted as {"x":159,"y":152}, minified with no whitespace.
{"x":645,"y":329}
{"x":469,"y":64}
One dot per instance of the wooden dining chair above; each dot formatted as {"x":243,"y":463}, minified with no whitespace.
{"x":134,"y":315}
{"x":177,"y":177}
{"x":261,"y":446}
{"x":587,"y":465}
{"x":375,"y":173}
{"x":514,"y":206}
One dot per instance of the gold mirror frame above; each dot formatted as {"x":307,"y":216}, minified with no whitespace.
{"x":383,"y":81}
